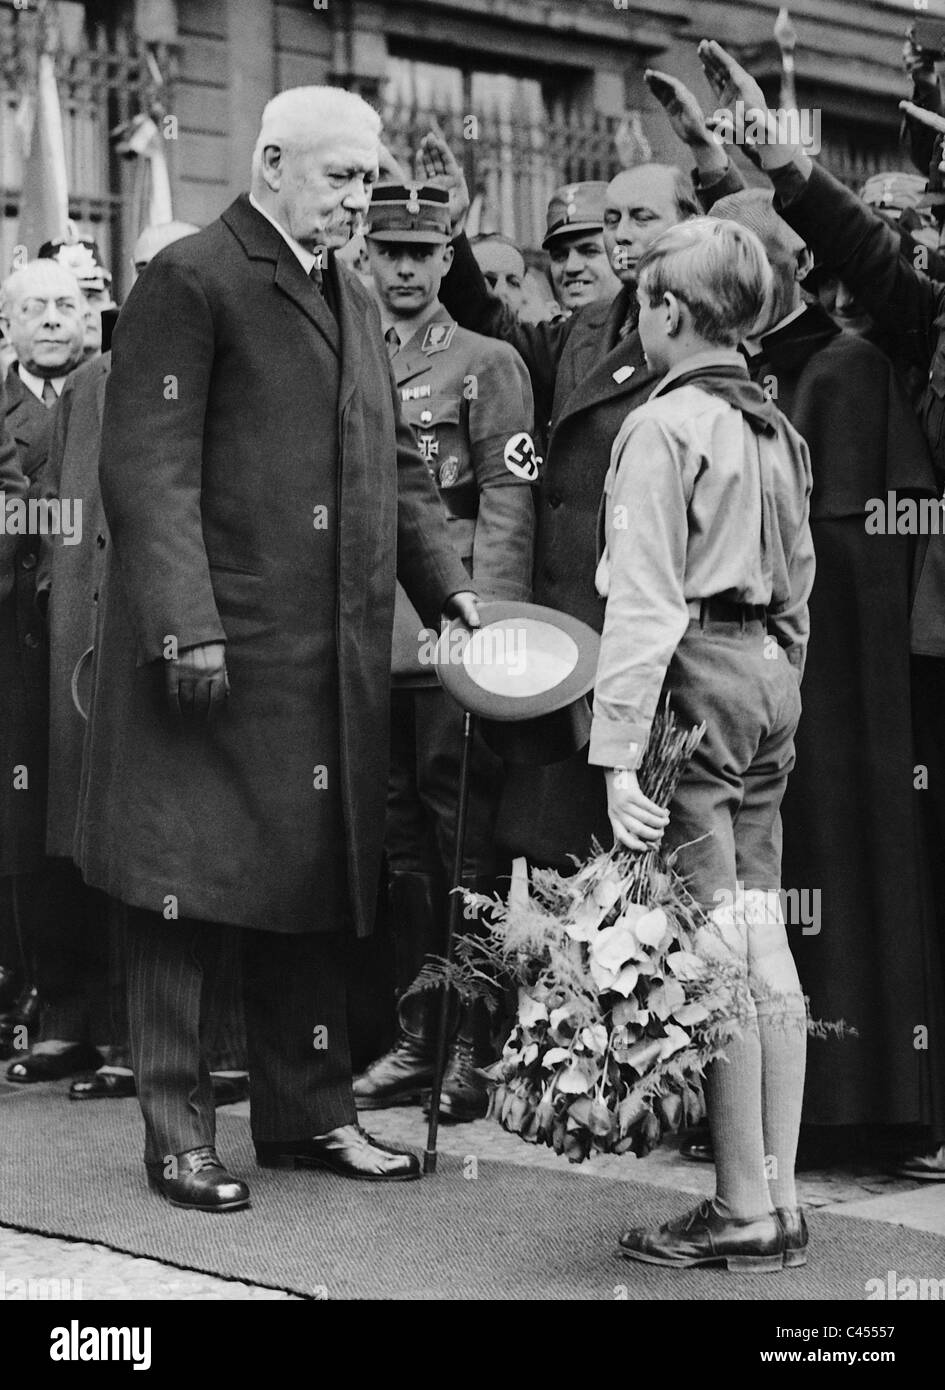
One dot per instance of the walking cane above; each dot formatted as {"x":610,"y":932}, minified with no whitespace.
{"x":452,"y":928}
{"x":531,"y":713}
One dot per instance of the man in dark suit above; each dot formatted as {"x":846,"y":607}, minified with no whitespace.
{"x":588,"y":372}
{"x":43,"y":313}
{"x":262,"y":492}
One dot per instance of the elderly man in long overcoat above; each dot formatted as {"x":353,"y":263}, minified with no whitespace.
{"x":262,"y":492}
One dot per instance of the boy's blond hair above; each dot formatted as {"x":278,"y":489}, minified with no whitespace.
{"x":718,"y":269}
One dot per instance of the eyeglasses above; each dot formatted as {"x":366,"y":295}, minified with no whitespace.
{"x":35,"y":308}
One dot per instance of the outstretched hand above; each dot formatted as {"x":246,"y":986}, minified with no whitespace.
{"x":919,"y":113}
{"x":435,"y":163}
{"x":681,"y":106}
{"x":729,"y":80}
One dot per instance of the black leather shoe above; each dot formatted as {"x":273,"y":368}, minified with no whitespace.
{"x":403,"y":1076}
{"x":202,"y":1183}
{"x":103,"y":1085}
{"x":227,"y":1090}
{"x":698,"y":1147}
{"x":703,"y":1237}
{"x":53,"y":1066}
{"x":794,"y":1226}
{"x":348,"y":1151}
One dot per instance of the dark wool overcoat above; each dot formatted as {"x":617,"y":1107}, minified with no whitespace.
{"x":261,"y":489}
{"x":74,"y":576}
{"x":24,"y":660}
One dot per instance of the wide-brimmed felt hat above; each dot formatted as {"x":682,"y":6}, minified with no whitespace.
{"x":526,"y":674}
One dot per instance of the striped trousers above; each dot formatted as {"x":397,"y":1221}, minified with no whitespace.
{"x":294,"y":998}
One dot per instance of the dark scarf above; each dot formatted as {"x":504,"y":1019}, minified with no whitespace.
{"x":733,"y":384}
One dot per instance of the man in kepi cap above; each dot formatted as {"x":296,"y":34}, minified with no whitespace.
{"x":574,"y":240}
{"x":469,"y":402}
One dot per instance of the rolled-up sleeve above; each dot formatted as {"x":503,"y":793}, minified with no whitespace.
{"x":646,"y":529}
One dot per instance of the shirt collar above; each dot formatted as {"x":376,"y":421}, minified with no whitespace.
{"x":714,"y":357}
{"x":755,"y":349}
{"x":36,"y":383}
{"x":408,"y":329}
{"x":306,"y":259}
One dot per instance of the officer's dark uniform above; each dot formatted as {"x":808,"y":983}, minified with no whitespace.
{"x":469,"y":401}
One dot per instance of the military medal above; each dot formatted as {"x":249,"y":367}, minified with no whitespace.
{"x":429,"y":446}
{"x":449,"y":471}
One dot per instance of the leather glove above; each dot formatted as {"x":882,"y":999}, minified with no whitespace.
{"x":196,"y":682}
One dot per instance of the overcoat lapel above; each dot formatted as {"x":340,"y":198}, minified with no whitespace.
{"x":261,"y":242}
{"x":291,"y":279}
{"x":620,"y":373}
{"x":100,"y":395}
{"x":616,"y":374}
{"x":352,"y":330}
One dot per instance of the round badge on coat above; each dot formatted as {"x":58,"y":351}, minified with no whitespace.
{"x":449,"y":471}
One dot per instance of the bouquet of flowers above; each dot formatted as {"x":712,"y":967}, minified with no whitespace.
{"x":617,"y":1014}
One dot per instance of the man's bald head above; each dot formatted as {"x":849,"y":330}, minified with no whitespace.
{"x":640,"y":204}
{"x":316,"y":162}
{"x":787,"y":253}
{"x":45,"y":278}
{"x":44,"y":310}
{"x":154,"y":239}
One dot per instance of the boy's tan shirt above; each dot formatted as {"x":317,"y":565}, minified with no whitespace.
{"x":696,"y":505}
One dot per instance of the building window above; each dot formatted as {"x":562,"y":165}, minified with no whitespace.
{"x":519,"y":138}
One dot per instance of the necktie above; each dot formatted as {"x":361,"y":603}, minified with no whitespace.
{"x":315,"y":275}
{"x":393,"y":343}
{"x":49,"y":393}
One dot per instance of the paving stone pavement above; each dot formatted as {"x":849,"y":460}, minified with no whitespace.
{"x":107,"y":1275}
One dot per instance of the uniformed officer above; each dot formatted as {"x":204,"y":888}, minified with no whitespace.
{"x":469,"y":402}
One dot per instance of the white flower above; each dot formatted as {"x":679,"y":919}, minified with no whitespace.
{"x":594,"y":1038}
{"x":530,"y":1011}
{"x":625,"y":983}
{"x":613,"y":947}
{"x":651,"y":927}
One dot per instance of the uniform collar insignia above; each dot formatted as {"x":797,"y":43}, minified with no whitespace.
{"x":438,"y":336}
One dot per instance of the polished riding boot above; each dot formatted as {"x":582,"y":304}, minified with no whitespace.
{"x":404,"y":1074}
{"x":465,"y":1095}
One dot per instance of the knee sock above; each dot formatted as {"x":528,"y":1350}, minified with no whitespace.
{"x":782,"y":1028}
{"x":733,"y":1100}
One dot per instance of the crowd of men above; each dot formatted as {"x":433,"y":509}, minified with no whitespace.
{"x":213,"y":714}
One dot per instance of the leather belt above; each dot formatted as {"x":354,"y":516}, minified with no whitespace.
{"x":726,"y":610}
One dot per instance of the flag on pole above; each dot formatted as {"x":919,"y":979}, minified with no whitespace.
{"x":44,"y":199}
